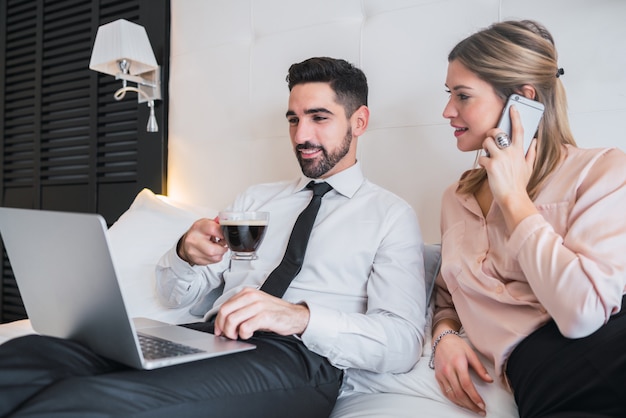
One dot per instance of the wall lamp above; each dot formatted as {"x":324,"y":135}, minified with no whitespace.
{"x":122,"y":49}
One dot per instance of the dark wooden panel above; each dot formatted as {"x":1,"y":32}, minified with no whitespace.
{"x":65,"y":197}
{"x":67,"y":144}
{"x":12,"y":308}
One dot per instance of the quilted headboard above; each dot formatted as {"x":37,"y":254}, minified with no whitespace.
{"x":228,"y":94}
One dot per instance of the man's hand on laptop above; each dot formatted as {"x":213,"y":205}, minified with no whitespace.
{"x":253,"y":310}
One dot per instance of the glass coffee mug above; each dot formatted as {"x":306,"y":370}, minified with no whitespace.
{"x":244,"y":232}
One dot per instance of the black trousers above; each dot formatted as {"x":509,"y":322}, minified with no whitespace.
{"x":51,"y":377}
{"x":553,"y":376}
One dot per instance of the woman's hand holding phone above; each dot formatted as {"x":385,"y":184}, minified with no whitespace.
{"x":508,"y":173}
{"x":530,"y":112}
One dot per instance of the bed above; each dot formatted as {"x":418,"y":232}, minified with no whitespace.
{"x":153,"y":223}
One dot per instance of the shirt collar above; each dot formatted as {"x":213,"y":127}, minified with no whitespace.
{"x":346,"y":182}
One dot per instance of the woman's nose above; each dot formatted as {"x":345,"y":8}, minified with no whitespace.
{"x":449,"y":111}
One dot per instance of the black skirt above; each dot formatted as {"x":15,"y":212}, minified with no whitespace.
{"x":555,"y":376}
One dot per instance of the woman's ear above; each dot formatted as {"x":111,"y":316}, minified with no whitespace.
{"x":528,"y":91}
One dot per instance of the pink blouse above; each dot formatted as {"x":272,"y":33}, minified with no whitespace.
{"x":567,"y":263}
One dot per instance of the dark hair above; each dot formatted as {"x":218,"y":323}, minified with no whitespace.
{"x":347,"y":81}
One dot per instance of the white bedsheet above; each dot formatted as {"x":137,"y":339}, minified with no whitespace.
{"x":417,"y":394}
{"x":15,"y":329}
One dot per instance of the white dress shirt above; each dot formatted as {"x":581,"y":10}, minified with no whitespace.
{"x":362,"y":277}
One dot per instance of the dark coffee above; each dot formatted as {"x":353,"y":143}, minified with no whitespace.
{"x":243,"y":236}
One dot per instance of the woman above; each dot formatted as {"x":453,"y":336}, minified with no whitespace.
{"x":533,"y":246}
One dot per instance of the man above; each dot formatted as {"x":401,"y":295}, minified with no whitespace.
{"x":357,"y":302}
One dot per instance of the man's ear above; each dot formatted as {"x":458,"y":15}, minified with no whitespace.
{"x":528,"y":91}
{"x":360,"y":118}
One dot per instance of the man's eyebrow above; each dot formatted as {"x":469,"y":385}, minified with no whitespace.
{"x":310,"y":111}
{"x":317,"y":110}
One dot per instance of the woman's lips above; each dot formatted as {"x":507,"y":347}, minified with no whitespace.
{"x":459,"y":131}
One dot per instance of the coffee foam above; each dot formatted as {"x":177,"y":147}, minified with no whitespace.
{"x":248,"y":222}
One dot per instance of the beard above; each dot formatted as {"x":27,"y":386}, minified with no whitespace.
{"x":316,"y":168}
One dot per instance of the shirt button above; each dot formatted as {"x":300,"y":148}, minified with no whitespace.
{"x":499,"y":289}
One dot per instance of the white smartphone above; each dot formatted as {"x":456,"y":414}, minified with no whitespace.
{"x":530,"y":112}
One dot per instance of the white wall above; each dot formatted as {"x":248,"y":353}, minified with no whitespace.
{"x":228,"y":93}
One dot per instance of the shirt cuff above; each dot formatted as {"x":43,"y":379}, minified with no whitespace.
{"x":180,"y":267}
{"x":321,"y":331}
{"x":523,"y":231}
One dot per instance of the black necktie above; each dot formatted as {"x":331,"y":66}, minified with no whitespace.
{"x":278,"y":281}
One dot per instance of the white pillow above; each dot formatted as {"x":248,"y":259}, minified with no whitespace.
{"x":143,"y":233}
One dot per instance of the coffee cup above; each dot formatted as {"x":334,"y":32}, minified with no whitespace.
{"x":243,"y":232}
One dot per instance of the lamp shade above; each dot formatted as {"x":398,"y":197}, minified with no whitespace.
{"x":122,"y":40}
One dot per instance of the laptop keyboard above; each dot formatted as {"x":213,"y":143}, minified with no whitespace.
{"x":154,"y":348}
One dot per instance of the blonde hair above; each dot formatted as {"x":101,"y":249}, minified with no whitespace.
{"x":509,"y":55}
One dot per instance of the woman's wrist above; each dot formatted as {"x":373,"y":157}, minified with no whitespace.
{"x":515,"y":209}
{"x":436,"y":342}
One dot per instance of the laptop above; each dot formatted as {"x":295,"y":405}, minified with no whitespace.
{"x":66,"y":276}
